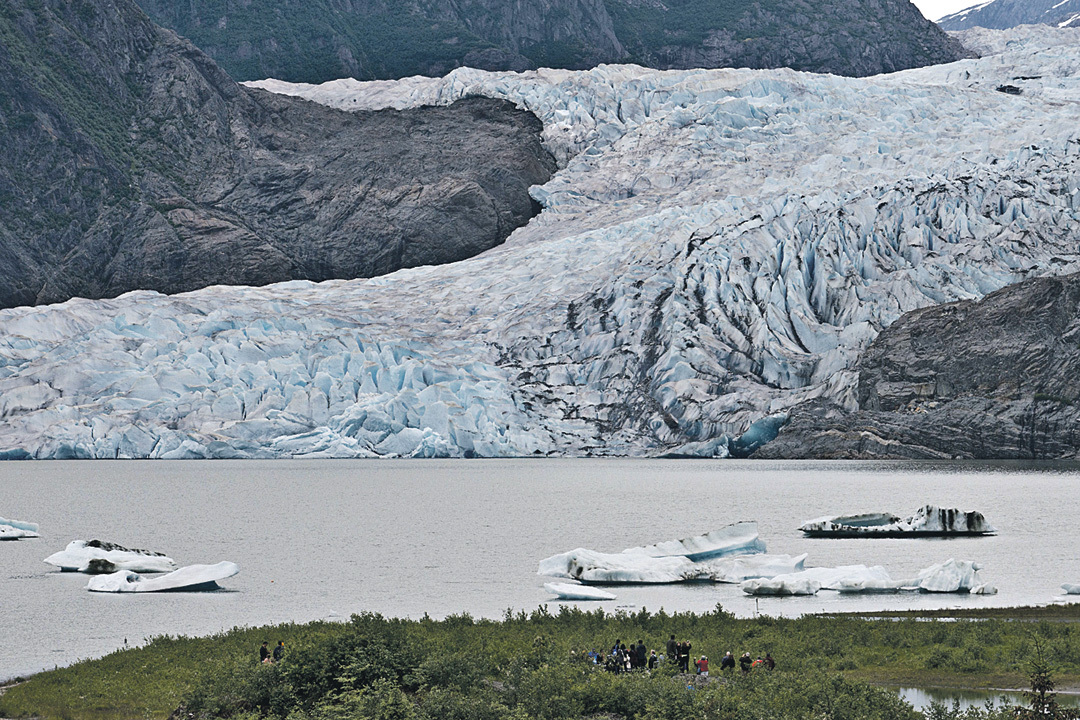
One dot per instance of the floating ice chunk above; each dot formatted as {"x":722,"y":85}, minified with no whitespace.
{"x":97,"y":557}
{"x":666,"y":562}
{"x":795,"y":584}
{"x":17,"y":529}
{"x":739,"y":538}
{"x":929,"y":520}
{"x":1071,"y":589}
{"x":746,"y":567}
{"x":567,"y":591}
{"x":953,"y":576}
{"x":193,"y":578}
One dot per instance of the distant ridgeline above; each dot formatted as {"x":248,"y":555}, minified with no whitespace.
{"x":1004,"y":14}
{"x":319,"y":40}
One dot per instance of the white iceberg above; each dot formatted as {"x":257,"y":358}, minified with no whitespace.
{"x":954,"y":576}
{"x":568,"y":591}
{"x":693,"y":558}
{"x":929,"y":520}
{"x":747,"y":567}
{"x":782,"y":585}
{"x":193,"y":578}
{"x":98,"y":557}
{"x":847,"y":578}
{"x":17,"y":529}
{"x":1071,"y":589}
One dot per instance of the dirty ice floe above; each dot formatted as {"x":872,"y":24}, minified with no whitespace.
{"x":193,"y":578}
{"x":568,"y":591}
{"x":17,"y":529}
{"x":96,"y":557}
{"x":730,"y":554}
{"x":929,"y":520}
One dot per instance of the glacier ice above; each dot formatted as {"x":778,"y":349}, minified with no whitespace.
{"x":927,"y":520}
{"x":192,"y":578}
{"x":17,"y":529}
{"x":99,"y":557}
{"x":568,"y":591}
{"x":1071,"y":589}
{"x":954,"y":576}
{"x":717,"y":246}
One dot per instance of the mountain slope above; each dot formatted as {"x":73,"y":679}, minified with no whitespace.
{"x":372,"y":39}
{"x":990,"y":379}
{"x":717,"y":248}
{"x":1004,"y":14}
{"x":133,"y":162}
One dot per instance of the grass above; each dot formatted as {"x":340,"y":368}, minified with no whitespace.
{"x":986,"y":649}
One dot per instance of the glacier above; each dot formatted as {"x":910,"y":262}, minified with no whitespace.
{"x":192,"y":578}
{"x":716,"y":247}
{"x":17,"y":529}
{"x":96,"y":557}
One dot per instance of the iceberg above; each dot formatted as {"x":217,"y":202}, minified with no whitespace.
{"x":701,"y":557}
{"x":1071,"y":589}
{"x":96,"y":557}
{"x":17,"y":529}
{"x":951,"y":576}
{"x":954,"y":576}
{"x":928,"y":521}
{"x":193,"y":578}
{"x":567,"y":591}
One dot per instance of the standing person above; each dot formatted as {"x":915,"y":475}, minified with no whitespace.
{"x":684,"y":657}
{"x":264,"y":653}
{"x":769,"y":662}
{"x":728,"y":662}
{"x":703,"y":666}
{"x":745,"y":662}
{"x":641,"y":654}
{"x":279,"y":651}
{"x":672,"y":646}
{"x":653,"y":660}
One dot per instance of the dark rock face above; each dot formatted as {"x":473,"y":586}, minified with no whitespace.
{"x":133,"y":162}
{"x":319,"y":40}
{"x":998,"y":378}
{"x":1004,"y":14}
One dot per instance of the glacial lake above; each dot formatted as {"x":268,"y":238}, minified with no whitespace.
{"x":323,"y":539}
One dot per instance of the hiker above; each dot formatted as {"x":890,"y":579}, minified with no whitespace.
{"x":279,"y":651}
{"x":672,"y":647}
{"x":640,"y":655}
{"x":745,"y":662}
{"x":684,"y":656}
{"x":653,"y":660}
{"x":703,"y":666}
{"x":264,"y":653}
{"x":769,"y":662}
{"x":727,"y":662}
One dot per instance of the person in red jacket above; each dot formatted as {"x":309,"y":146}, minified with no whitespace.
{"x":703,"y":666}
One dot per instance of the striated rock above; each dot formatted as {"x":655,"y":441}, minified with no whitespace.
{"x":133,"y":162}
{"x":1005,"y":14}
{"x":995,"y":378}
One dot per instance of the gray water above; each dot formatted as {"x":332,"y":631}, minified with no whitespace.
{"x":324,"y":539}
{"x":921,"y":698}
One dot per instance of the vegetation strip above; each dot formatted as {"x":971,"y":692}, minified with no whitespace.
{"x":536,"y":666}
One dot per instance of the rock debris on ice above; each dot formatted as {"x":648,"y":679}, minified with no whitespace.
{"x":927,"y":520}
{"x":717,"y":246}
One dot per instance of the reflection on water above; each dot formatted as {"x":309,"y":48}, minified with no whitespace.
{"x":921,"y":698}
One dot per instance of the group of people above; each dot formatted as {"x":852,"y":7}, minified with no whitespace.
{"x":266,"y":656}
{"x":623,"y":659}
{"x":637,"y":657}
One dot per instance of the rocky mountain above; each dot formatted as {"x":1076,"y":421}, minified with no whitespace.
{"x":1004,"y":14}
{"x":132,"y":161}
{"x":320,"y":40}
{"x":996,"y":378}
{"x":717,"y":248}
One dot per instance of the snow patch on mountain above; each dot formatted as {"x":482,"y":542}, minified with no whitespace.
{"x":717,"y":246}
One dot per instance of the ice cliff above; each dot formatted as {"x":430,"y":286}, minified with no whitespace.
{"x":716,"y":247}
